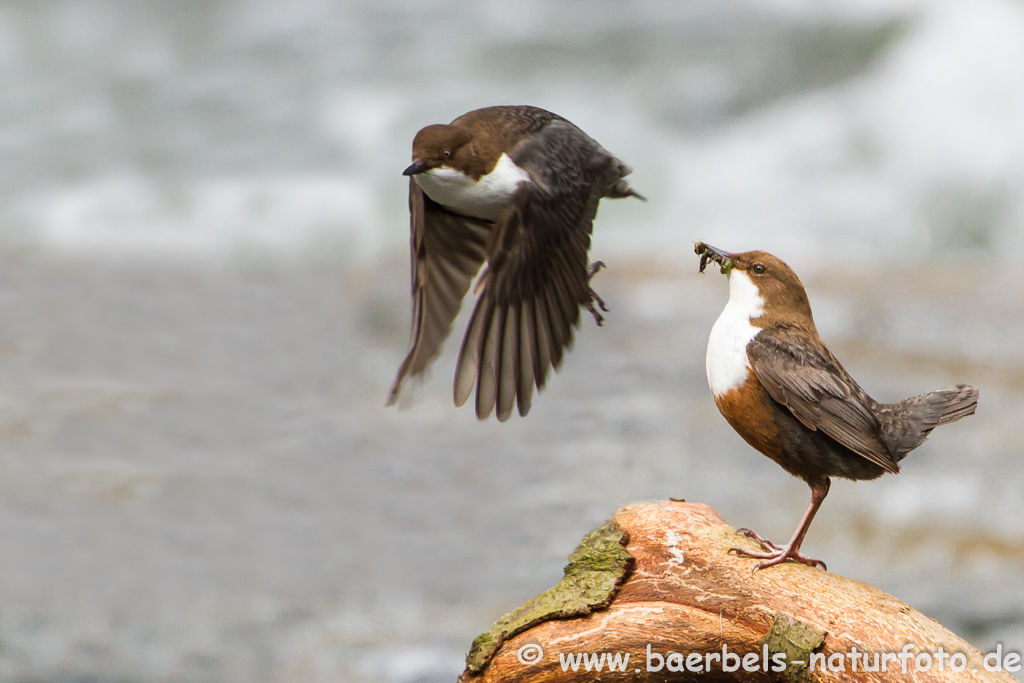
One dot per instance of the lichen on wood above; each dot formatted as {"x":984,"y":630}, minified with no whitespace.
{"x":797,"y":641}
{"x":595,"y":570}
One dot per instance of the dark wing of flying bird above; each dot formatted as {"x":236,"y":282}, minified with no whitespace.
{"x":537,"y":271}
{"x":446,"y":252}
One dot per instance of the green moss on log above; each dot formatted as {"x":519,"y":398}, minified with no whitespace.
{"x":797,"y":640}
{"x":595,"y":571}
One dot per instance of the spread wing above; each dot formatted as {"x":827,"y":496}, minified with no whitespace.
{"x":820,"y":394}
{"x":446,"y":252}
{"x":537,"y":274}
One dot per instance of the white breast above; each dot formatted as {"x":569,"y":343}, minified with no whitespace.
{"x":727,"y":363}
{"x":484,"y":198}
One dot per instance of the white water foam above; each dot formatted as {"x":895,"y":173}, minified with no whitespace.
{"x":128,"y":214}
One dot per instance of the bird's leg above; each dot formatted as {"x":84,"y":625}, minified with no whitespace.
{"x":595,"y":267}
{"x":774,"y":554}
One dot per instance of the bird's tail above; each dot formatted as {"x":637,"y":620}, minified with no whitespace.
{"x":621,"y":187}
{"x":906,"y":424}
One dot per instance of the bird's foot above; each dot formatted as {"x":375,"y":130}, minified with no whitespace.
{"x":773,"y":554}
{"x":763,"y":542}
{"x":594,"y":298}
{"x":595,"y":267}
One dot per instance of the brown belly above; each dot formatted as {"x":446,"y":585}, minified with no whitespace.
{"x":772,"y":429}
{"x":751,"y":412}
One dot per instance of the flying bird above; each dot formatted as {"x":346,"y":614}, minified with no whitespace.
{"x":782,"y":390}
{"x":515,"y":188}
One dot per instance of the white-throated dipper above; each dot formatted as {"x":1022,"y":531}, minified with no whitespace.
{"x":517,"y":187}
{"x":782,"y":390}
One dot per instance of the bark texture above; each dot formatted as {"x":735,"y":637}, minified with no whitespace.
{"x":680,"y":591}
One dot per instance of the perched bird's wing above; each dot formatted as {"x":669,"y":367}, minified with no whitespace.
{"x":537,"y":270}
{"x":820,"y":394}
{"x":446,"y":252}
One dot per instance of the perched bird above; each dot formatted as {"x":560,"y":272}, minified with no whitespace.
{"x":778,"y":385}
{"x":517,"y":187}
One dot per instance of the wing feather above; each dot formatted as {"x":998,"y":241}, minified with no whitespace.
{"x":490,"y":358}
{"x":819,"y":392}
{"x":542,"y":326}
{"x":527,"y":356}
{"x":508,"y":367}
{"x":446,"y":252}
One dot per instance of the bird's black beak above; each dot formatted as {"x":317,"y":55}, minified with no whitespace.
{"x":415,"y":167}
{"x":710,"y":253}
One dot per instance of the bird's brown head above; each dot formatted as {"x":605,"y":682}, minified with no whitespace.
{"x":440,"y":145}
{"x":768,"y":277}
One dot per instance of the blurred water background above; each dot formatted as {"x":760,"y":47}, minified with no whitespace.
{"x":204,"y":291}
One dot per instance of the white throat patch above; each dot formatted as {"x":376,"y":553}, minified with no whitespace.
{"x":484,"y":198}
{"x":727,"y":363}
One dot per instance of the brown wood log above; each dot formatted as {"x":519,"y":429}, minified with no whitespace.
{"x":659,"y":579}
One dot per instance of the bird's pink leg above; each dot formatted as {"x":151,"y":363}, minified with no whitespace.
{"x":791,"y":551}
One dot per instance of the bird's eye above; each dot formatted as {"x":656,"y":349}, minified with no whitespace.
{"x":447,"y":154}
{"x":759,"y":269}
